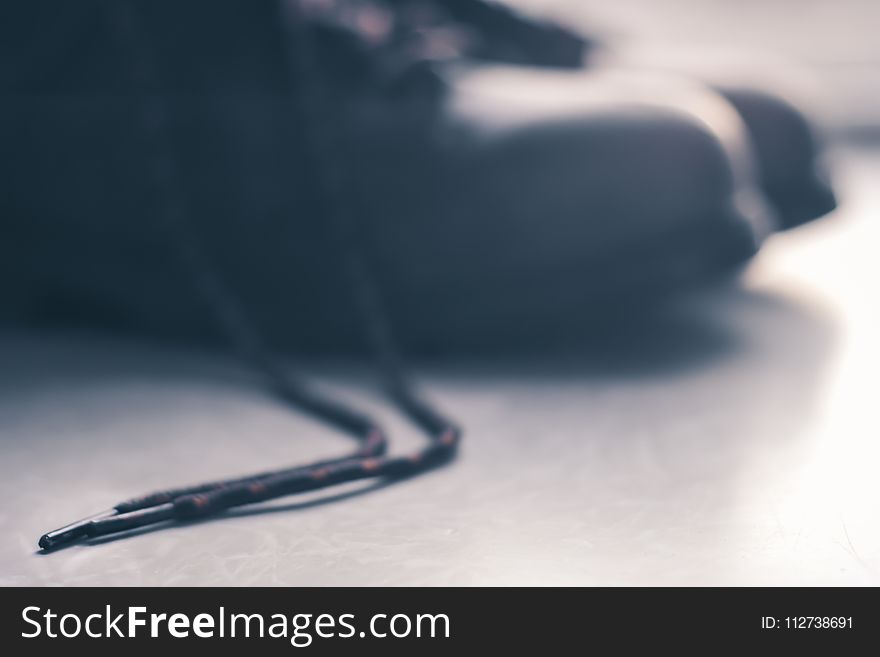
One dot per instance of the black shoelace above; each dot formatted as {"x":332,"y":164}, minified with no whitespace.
{"x":370,"y":460}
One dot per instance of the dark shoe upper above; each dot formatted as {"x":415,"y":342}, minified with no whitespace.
{"x":488,"y":209}
{"x":787,"y":149}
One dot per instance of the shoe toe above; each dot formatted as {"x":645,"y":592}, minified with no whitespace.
{"x":554,"y":196}
{"x":789,"y":155}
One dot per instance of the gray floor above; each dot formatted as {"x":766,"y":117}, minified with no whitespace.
{"x":734,"y":442}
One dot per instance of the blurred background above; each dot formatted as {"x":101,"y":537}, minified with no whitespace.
{"x":831,"y":42}
{"x":731,"y":438}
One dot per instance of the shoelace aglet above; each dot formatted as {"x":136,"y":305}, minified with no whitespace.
{"x":72,"y":532}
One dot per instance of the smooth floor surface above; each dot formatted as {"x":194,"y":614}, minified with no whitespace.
{"x":732,"y":441}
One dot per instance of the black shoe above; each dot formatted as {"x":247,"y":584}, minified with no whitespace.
{"x":496,"y":204}
{"x":788,"y":150}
